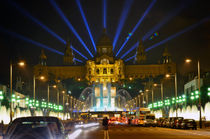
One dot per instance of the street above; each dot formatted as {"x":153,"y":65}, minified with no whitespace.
{"x":124,"y":132}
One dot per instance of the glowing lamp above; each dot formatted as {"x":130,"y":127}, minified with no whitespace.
{"x":196,"y":92}
{"x":21,"y":63}
{"x":188,"y":60}
{"x":1,"y":97}
{"x":209,"y":89}
{"x":192,"y":97}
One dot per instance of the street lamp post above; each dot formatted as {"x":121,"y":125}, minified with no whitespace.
{"x":175,"y":86}
{"x":10,"y":90}
{"x":34,"y":85}
{"x":175,"y":80}
{"x":48,"y":92}
{"x":21,"y":64}
{"x":199,"y":89}
{"x":142,"y":99}
{"x":161,"y":90}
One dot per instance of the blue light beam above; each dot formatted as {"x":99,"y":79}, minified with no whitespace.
{"x":16,"y":35}
{"x":163,"y":22}
{"x":86,"y":23}
{"x":27,"y":14}
{"x":126,"y":9}
{"x":78,"y":60}
{"x":104,"y":13}
{"x":131,"y":49}
{"x":137,"y":25}
{"x":130,"y":58}
{"x":69,"y":25}
{"x":178,"y":33}
{"x":79,"y":52}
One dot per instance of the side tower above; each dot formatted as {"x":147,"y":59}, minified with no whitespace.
{"x":68,"y":58}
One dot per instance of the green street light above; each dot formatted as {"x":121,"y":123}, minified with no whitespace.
{"x":209,"y":91}
{"x":1,"y":95}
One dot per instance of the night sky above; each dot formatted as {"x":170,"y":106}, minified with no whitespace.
{"x":194,"y":43}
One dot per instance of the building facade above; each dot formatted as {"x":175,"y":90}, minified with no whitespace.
{"x":104,"y":70}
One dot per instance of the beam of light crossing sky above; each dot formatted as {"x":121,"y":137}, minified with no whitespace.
{"x":164,"y":21}
{"x":16,"y":35}
{"x":137,"y":25}
{"x":79,"y":53}
{"x":131,"y":49}
{"x":104,"y":5}
{"x":70,"y":25}
{"x":130,"y":58}
{"x":179,"y":33}
{"x":78,"y":60}
{"x":126,"y":9}
{"x":86,"y":23}
{"x":27,"y":14}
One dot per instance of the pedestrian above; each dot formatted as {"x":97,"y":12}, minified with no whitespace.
{"x":105,"y":126}
{"x":129,"y":121}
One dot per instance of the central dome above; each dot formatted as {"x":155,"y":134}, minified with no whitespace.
{"x":104,"y":40}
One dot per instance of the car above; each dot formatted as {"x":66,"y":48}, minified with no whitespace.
{"x":149,"y":120}
{"x":36,"y":128}
{"x":189,"y":123}
{"x":166,"y":123}
{"x":160,"y":121}
{"x":174,"y":120}
{"x":178,"y":123}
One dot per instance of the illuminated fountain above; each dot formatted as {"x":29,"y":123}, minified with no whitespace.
{"x":103,"y":97}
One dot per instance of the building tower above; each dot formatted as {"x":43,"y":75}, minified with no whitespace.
{"x":68,"y":57}
{"x":104,"y":48}
{"x":43,"y":58}
{"x":166,"y":57}
{"x":141,"y":55}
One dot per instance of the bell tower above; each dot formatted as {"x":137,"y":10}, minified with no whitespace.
{"x":166,"y":57}
{"x":68,"y":57}
{"x":43,"y":59}
{"x":141,"y":55}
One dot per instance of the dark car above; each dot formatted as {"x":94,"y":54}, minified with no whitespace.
{"x":160,"y":121}
{"x":189,"y":123}
{"x":35,"y":128}
{"x":178,"y":123}
{"x":166,"y":123}
{"x":174,"y":121}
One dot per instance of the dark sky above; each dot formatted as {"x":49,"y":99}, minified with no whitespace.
{"x":194,"y":43}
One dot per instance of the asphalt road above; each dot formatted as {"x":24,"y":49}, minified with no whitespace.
{"x":124,"y":132}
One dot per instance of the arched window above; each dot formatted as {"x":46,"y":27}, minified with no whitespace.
{"x":104,"y":71}
{"x":97,"y":71}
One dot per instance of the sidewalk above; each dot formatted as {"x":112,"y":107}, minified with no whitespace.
{"x":204,"y":129}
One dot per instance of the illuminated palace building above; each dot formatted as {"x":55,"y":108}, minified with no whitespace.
{"x":104,"y":70}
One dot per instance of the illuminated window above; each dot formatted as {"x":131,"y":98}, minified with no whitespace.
{"x":112,"y":71}
{"x":97,"y":71}
{"x":104,"y":71}
{"x":104,"y":50}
